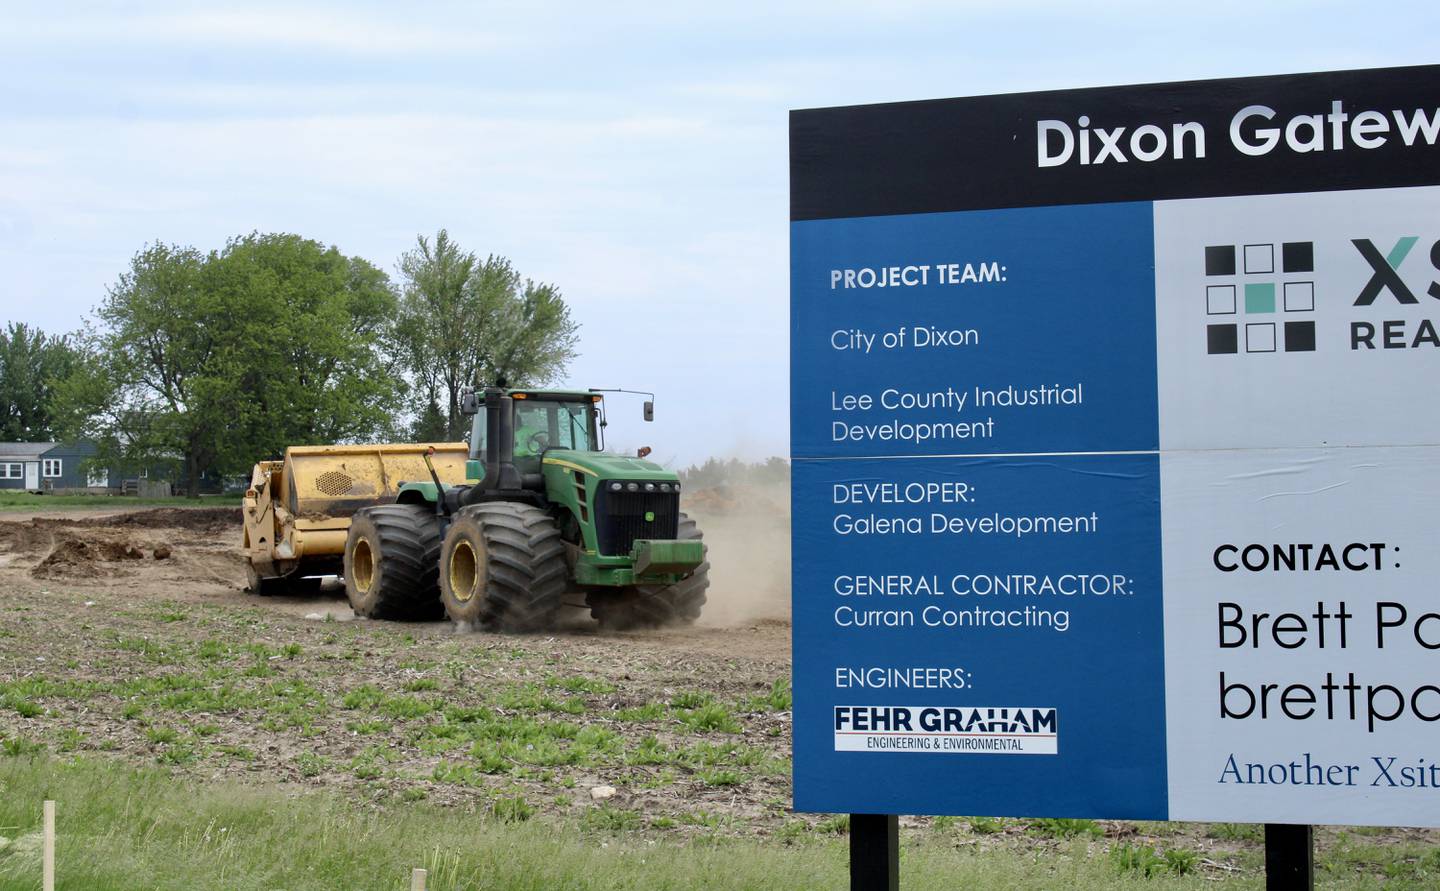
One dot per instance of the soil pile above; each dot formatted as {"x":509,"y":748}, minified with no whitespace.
{"x":204,"y":520}
{"x":189,"y":545}
{"x":78,"y":557}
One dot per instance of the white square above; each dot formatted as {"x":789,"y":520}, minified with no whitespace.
{"x":1260,"y":337}
{"x":1220,"y":300}
{"x":1259,"y":258}
{"x":1299,"y":296}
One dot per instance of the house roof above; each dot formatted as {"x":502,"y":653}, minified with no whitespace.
{"x":25,"y":449}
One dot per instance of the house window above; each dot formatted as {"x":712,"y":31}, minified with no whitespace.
{"x":50,"y":468}
{"x":98,"y":478}
{"x":12,"y":471}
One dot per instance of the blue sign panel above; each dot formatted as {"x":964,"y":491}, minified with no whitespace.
{"x":986,"y":584}
{"x":958,"y":582}
{"x":927,"y":363}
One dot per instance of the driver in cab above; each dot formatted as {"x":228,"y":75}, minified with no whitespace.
{"x":530,"y":436}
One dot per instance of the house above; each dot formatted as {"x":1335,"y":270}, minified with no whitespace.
{"x":51,"y":467}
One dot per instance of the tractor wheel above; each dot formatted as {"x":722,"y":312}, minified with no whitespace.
{"x":503,"y":567}
{"x":651,"y":606}
{"x":392,"y":560}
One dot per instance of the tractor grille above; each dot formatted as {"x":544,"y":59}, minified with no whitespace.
{"x":620,"y":519}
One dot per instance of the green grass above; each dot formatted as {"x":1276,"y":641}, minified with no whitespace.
{"x":512,"y":810}
{"x":709,"y":717}
{"x":650,"y":711}
{"x":1403,"y":864}
{"x":578,"y":684}
{"x":1064,"y":827}
{"x":1251,"y":832}
{"x":778,"y":699}
{"x":18,"y":501}
{"x":720,"y":777}
{"x":691,"y":699}
{"x":121,"y":828}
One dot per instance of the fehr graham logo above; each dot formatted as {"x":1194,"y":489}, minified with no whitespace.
{"x":1242,"y":280}
{"x":954,"y":729}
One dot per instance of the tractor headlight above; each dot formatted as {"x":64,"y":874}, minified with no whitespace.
{"x":632,"y":487}
{"x":664,"y":487}
{"x":616,"y":487}
{"x":677,"y":486}
{"x":649,"y":487}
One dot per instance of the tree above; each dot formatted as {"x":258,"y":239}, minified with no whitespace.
{"x":134,"y":393}
{"x":772,"y":473}
{"x":464,"y":321}
{"x":31,"y":366}
{"x":222,"y":359}
{"x":303,"y":360}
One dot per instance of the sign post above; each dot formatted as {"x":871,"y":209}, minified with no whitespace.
{"x":1113,"y":437}
{"x":1289,"y":857}
{"x":874,"y":852}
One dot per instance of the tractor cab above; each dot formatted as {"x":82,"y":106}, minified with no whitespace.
{"x":543,"y":420}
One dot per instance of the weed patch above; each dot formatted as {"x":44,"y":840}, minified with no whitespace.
{"x":1065,"y":827}
{"x":709,"y":718}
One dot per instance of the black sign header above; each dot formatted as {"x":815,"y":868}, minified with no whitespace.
{"x":1260,"y":135}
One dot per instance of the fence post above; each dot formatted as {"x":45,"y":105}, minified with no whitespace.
{"x":417,"y":879}
{"x":47,"y":863}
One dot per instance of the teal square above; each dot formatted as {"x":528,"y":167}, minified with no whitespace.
{"x":1260,"y":298}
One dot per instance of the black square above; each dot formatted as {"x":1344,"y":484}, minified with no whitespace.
{"x":1299,"y":337}
{"x":1298,"y":256}
{"x":1222,"y":338}
{"x":1220,"y":259}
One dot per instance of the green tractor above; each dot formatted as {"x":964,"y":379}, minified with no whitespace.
{"x":544,"y":513}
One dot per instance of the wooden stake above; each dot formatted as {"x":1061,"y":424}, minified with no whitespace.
{"x":417,"y":880}
{"x":47,"y":875}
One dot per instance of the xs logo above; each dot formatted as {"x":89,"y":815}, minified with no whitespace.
{"x":1385,"y":274}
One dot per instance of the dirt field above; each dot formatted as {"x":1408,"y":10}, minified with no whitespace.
{"x":127,"y":635}
{"x":130,"y":633}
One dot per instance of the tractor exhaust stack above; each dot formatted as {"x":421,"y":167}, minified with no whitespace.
{"x":500,"y":472}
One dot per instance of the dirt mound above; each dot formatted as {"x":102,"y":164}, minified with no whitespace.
{"x":25,"y":538}
{"x":208,"y":520}
{"x":156,"y":546}
{"x":76,"y":556}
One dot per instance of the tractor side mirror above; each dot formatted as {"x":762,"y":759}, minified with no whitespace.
{"x":469,"y":404}
{"x":649,"y":410}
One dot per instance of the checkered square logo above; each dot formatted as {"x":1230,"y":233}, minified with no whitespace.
{"x":1255,"y":284}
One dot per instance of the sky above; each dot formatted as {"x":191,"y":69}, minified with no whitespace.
{"x":634,"y":155}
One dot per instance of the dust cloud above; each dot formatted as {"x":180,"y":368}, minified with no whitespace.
{"x":747,"y":532}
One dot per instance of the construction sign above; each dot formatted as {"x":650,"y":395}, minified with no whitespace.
{"x":1116,"y":448}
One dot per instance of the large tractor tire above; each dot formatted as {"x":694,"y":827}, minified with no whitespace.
{"x":503,"y":567}
{"x":653,"y":606}
{"x":392,"y":562}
